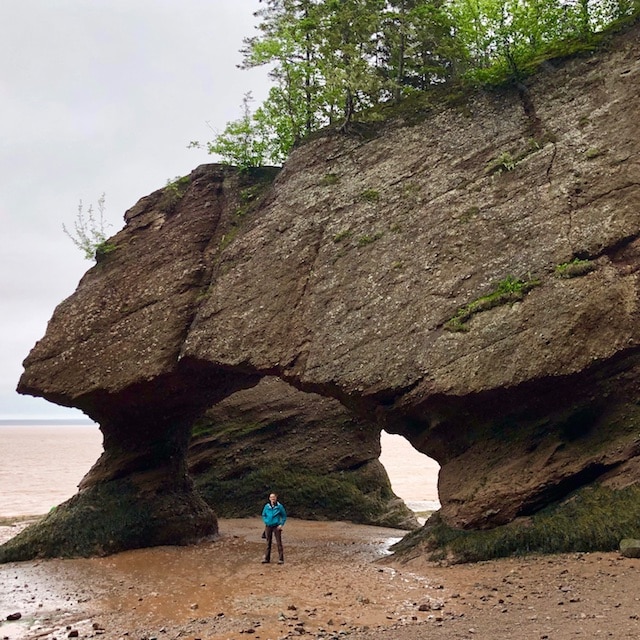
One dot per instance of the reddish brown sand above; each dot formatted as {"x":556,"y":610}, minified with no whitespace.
{"x":336,"y":583}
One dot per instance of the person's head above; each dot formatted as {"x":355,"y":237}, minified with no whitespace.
{"x":273,"y":498}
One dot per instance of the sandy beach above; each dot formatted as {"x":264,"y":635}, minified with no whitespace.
{"x":338,"y":581}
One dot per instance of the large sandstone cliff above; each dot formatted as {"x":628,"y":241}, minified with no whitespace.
{"x":466,"y":277}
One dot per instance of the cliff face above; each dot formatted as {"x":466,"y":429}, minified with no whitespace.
{"x":468,"y":279}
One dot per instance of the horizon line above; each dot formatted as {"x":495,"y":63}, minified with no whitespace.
{"x":45,"y":420}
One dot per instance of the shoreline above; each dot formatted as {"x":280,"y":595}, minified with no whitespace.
{"x":11,"y":526}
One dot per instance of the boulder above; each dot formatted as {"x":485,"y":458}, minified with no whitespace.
{"x":630,"y":548}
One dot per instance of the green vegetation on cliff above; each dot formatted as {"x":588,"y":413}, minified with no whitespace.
{"x":507,"y":291}
{"x":595,"y":518}
{"x":90,"y":231}
{"x":333,"y":62}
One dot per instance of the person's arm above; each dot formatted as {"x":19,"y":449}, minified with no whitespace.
{"x":264,"y":515}
{"x":283,"y":516}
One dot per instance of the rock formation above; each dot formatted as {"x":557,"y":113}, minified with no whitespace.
{"x":320,"y":459}
{"x":466,"y":277}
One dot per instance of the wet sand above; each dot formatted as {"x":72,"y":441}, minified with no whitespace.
{"x":337,"y":581}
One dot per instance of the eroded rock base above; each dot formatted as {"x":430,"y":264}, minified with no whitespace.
{"x":113,"y":517}
{"x":595,"y":518}
{"x":320,"y":458}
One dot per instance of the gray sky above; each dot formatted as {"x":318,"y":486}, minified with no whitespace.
{"x":98,"y":96}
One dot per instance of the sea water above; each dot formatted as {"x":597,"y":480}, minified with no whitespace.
{"x":42,"y":465}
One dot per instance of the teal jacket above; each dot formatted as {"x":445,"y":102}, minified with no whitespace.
{"x":274,"y":516}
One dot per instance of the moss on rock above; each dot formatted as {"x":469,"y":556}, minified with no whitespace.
{"x":595,"y":518}
{"x":112,"y":517}
{"x":320,"y":459}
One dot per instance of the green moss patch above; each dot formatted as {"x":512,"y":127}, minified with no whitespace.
{"x":344,"y":495}
{"x":329,"y":179}
{"x":574,"y":269}
{"x":110,"y":518}
{"x":507,"y":291}
{"x":369,"y":238}
{"x":370,"y":195}
{"x":595,"y":518}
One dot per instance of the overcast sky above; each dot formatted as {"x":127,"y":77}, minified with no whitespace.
{"x":98,"y":96}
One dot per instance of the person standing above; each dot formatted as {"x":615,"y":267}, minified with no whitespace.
{"x":274,"y":516}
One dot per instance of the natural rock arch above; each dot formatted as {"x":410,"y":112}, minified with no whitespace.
{"x":488,"y":316}
{"x":321,"y":459}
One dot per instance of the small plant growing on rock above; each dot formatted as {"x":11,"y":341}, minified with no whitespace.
{"x":533,"y":145}
{"x":504,"y":162}
{"x":574,"y":269}
{"x":244,"y":143}
{"x":370,"y":195}
{"x":173,"y":193}
{"x":366,"y":239}
{"x":89,"y":231}
{"x":103,"y":250}
{"x":507,"y":291}
{"x":593,"y":153}
{"x":329,"y":179}
{"x":341,"y":235}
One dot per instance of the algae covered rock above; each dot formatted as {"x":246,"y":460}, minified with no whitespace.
{"x":319,"y":458}
{"x":116,"y":516}
{"x":630,"y":548}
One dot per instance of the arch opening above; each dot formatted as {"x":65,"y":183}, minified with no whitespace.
{"x":413,"y":475}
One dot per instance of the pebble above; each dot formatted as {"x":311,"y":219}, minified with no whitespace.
{"x":14,"y":616}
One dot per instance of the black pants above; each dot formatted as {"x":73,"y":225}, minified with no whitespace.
{"x":270,"y":533}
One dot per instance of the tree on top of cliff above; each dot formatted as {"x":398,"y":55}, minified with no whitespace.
{"x":287,"y":43}
{"x":244,"y":142}
{"x":331,"y":59}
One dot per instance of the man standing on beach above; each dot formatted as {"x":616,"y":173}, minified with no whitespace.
{"x":274,"y":516}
